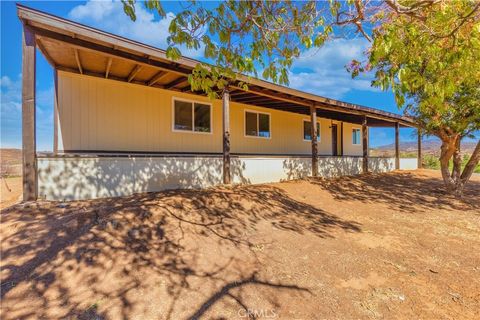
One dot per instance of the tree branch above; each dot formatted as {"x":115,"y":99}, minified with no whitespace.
{"x":471,"y":164}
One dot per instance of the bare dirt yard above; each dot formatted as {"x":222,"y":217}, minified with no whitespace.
{"x":10,"y":191}
{"x":11,"y":177}
{"x":389,"y":246}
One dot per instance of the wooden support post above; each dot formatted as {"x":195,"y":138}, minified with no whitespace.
{"x":341,"y":138}
{"x":28,"y":116}
{"x":55,"y":111}
{"x":397,"y":146}
{"x":419,"y":146}
{"x":365,"y":144}
{"x":226,"y":136}
{"x":313,"y":133}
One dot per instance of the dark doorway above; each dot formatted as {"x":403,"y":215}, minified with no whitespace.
{"x":334,"y":140}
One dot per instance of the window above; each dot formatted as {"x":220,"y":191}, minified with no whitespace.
{"x":307,"y":133}
{"x":356,"y":136}
{"x":191,"y":116}
{"x":257,"y":124}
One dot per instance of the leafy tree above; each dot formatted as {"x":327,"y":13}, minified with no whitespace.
{"x":427,"y":51}
{"x":432,"y":61}
{"x":241,"y":37}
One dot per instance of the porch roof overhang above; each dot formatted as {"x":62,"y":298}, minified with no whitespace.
{"x":73,"y":47}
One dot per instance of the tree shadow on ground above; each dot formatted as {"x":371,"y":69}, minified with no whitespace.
{"x":103,"y":258}
{"x":402,"y":191}
{"x":227,"y":290}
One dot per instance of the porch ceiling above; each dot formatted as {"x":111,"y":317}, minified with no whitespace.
{"x":76,"y":48}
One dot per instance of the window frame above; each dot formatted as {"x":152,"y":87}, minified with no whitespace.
{"x":354,"y":130}
{"x":319,"y":135}
{"x":192,"y":102}
{"x":258,"y":124}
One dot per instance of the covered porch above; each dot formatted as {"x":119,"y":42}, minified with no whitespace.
{"x":71,"y":48}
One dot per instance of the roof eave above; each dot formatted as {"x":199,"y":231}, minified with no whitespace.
{"x":31,"y":16}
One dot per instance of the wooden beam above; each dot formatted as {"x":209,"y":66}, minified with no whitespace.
{"x":134,"y":72}
{"x":99,"y":75}
{"x":175,"y":82}
{"x":284,"y":107}
{"x":28,"y":116}
{"x":157,"y":77}
{"x":235,"y":92}
{"x":282,"y":103}
{"x":324,"y":106}
{"x":292,"y":110}
{"x":187,"y":88}
{"x":397,"y":146}
{"x":365,"y":144}
{"x":109,"y":65}
{"x":313,"y":133}
{"x":419,"y":149}
{"x":226,"y":136}
{"x":260,"y":93}
{"x":341,"y":138}
{"x":55,"y":111}
{"x":240,"y":94}
{"x":111,"y":52}
{"x":77,"y":58}
{"x":44,"y":51}
{"x":253,"y":99}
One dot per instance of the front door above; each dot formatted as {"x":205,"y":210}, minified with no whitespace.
{"x":334,"y":140}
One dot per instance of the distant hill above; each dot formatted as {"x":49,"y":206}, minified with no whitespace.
{"x":10,"y":161}
{"x":11,"y":156}
{"x":428,"y":147}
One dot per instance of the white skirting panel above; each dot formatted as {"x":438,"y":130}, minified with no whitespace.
{"x":270,"y":169}
{"x":89,"y":178}
{"x":76,"y":178}
{"x":408,"y":163}
{"x":339,"y":166}
{"x":381,"y":164}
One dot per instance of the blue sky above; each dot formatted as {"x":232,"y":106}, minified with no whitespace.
{"x":319,"y":71}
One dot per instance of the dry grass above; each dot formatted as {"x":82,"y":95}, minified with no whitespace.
{"x":377,"y":246}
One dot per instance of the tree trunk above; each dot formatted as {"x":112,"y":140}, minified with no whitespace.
{"x":447,"y":150}
{"x":468,"y":170}
{"x":456,"y":180}
{"x":457,"y":162}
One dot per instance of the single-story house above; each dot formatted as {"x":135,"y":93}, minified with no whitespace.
{"x":126,"y":121}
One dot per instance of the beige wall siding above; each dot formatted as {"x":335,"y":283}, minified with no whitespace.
{"x":101,"y":114}
{"x":98,"y":114}
{"x":350,"y":149}
{"x":286,"y":133}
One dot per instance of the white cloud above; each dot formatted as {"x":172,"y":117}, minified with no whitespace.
{"x":11,"y":94}
{"x":5,"y":81}
{"x":109,"y":16}
{"x":11,"y":114}
{"x":322,"y":71}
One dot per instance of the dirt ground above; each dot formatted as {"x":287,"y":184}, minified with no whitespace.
{"x":10,"y":191}
{"x":386,"y":246}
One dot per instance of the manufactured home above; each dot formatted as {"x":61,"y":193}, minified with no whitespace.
{"x":126,"y":121}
